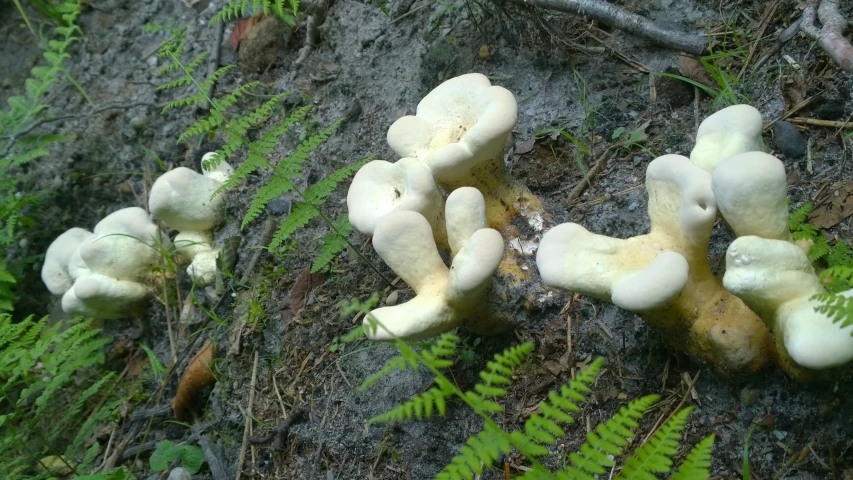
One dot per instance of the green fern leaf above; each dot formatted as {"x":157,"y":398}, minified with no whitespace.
{"x":609,"y":437}
{"x":333,"y":243}
{"x":317,"y":193}
{"x":300,"y":215}
{"x":656,"y":455}
{"x":698,"y":462}
{"x":838,"y":307}
{"x":819,"y":249}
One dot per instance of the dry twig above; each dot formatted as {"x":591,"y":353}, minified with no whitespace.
{"x":624,"y":20}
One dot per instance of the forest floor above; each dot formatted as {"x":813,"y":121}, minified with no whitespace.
{"x":278,"y":334}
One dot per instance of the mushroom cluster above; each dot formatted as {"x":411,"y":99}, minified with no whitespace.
{"x":761,"y":310}
{"x":107,"y":273}
{"x":453,"y":148}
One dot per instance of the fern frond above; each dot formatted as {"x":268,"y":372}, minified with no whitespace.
{"x":206,"y":84}
{"x":610,"y":437}
{"x":819,"y":249}
{"x":698,"y":462}
{"x":544,"y":427}
{"x":396,"y":364}
{"x":836,"y":306}
{"x":420,"y":406}
{"x":656,"y":455}
{"x":439,"y":354}
{"x":800,"y":228}
{"x":837,"y":277}
{"x":300,"y":215}
{"x":499,"y":370}
{"x":333,"y":243}
{"x":242,"y":124}
{"x":230,"y":99}
{"x":317,"y":193}
{"x":479,"y":451}
{"x":840,"y":256}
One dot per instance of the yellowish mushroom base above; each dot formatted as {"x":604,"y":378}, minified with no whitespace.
{"x":505,"y":199}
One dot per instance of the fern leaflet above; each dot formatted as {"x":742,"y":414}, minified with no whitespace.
{"x":656,"y":455}
{"x":698,"y":462}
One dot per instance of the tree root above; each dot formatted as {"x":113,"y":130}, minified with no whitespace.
{"x":624,"y":20}
{"x":312,"y":34}
{"x":830,"y":36}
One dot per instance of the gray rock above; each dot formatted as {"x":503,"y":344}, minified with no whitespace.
{"x":280,"y":205}
{"x":179,"y":473}
{"x":637,"y":161}
{"x":789,"y":140}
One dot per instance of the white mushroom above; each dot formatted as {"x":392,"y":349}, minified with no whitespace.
{"x":186,"y":200}
{"x":463,"y":123}
{"x":663,"y":275}
{"x":751,"y":194}
{"x":776,"y":280}
{"x":380,"y":188}
{"x":460,"y":130}
{"x":110,"y":269}
{"x":444,"y":297}
{"x":726,"y":133}
{"x":54,"y":272}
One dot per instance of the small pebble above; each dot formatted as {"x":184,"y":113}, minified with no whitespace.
{"x":637,"y":161}
{"x":23,"y":243}
{"x":789,"y":140}
{"x":279,"y":205}
{"x":179,"y":473}
{"x":392,"y":298}
{"x":749,"y":396}
{"x":138,"y":123}
{"x":633,"y":206}
{"x":151,"y":61}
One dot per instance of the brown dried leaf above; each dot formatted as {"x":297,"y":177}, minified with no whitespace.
{"x":837,"y":209}
{"x":298,"y":295}
{"x":694,"y":70}
{"x":196,"y":377}
{"x":793,"y":90}
{"x":242,"y":27}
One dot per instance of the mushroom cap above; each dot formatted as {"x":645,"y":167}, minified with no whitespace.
{"x":220,"y":173}
{"x":54,"y":272}
{"x":767,"y":273}
{"x":190,"y":244}
{"x":186,"y":200}
{"x":404,"y":241}
{"x":681,"y":201}
{"x":460,"y":124}
{"x":472,"y":268}
{"x":125,"y":246}
{"x":813,"y":340}
{"x":99,"y":296}
{"x":654,"y":287}
{"x":464,"y":214}
{"x":751,"y":193}
{"x":203,"y":267}
{"x":726,"y":133}
{"x":380,"y":188}
{"x":421,"y":317}
{"x":573,"y":259}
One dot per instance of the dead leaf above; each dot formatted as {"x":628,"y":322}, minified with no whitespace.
{"x":837,"y":209}
{"x":137,"y":365}
{"x":525,"y":147}
{"x":196,"y":377}
{"x":56,"y":465}
{"x":298,"y":295}
{"x":793,"y":90}
{"x":242,"y":27}
{"x":694,"y":70}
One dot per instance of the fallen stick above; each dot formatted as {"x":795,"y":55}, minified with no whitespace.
{"x":624,"y":20}
{"x":821,"y":123}
{"x":590,"y":175}
{"x":831,"y":35}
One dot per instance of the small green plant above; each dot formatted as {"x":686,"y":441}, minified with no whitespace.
{"x":285,"y":173}
{"x":837,"y":277}
{"x":42,"y":369}
{"x":167,"y":453}
{"x":587,"y":129}
{"x":597,"y":455}
{"x":18,"y":147}
{"x":240,"y":8}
